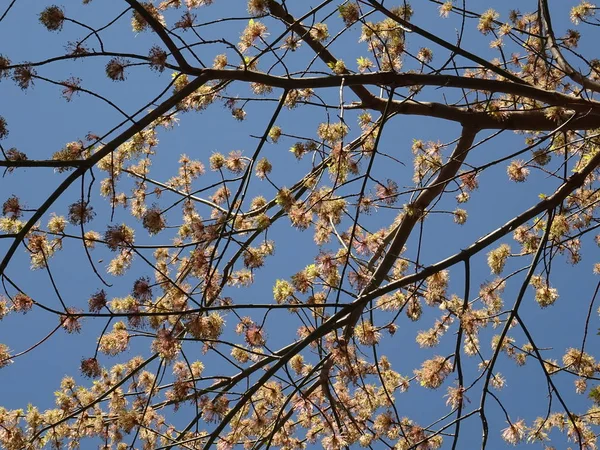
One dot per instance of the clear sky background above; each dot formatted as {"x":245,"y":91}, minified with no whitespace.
{"x":41,"y":122}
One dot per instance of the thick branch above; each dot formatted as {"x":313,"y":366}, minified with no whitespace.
{"x":394,"y":79}
{"x":509,"y":120}
{"x":160,"y":31}
{"x":404,"y":229}
{"x":533,"y":120}
{"x":562,"y":63}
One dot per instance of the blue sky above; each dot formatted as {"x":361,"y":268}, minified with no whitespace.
{"x":41,"y":122}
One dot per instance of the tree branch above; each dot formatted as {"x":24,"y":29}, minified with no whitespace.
{"x":402,"y":232}
{"x":95,"y":158}
{"x":433,"y":38}
{"x":160,"y":31}
{"x":562,"y":63}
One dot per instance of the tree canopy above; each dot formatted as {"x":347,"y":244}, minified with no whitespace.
{"x":299,"y":224}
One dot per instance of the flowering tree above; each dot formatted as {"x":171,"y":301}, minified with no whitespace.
{"x":300,"y":252}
